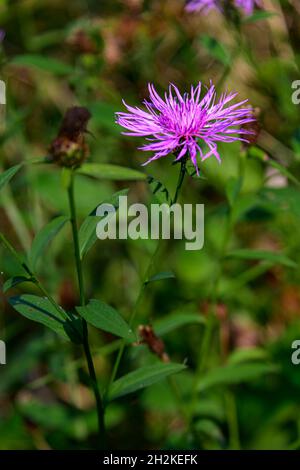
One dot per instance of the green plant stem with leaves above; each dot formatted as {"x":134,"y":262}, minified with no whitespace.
{"x":86,"y":346}
{"x":116,"y":366}
{"x":212,"y":321}
{"x":32,"y":277}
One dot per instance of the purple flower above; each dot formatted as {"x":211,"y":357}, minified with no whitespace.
{"x":205,"y":5}
{"x":247,"y":5}
{"x":187,"y":125}
{"x":2,"y":34}
{"x":202,"y":5}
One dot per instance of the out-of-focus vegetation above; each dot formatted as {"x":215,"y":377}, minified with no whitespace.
{"x":92,"y":53}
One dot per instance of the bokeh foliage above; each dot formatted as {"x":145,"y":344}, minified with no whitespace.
{"x":94,"y":53}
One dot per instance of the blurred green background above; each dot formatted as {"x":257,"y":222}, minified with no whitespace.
{"x":94,"y":53}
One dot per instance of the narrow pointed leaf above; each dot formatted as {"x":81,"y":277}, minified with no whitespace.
{"x":40,"y":310}
{"x":161,"y":276}
{"x":265,"y":255}
{"x":258,"y":16}
{"x":176,"y":320}
{"x":142,"y":378}
{"x":14,"y":281}
{"x":232,"y":189}
{"x":7,"y":175}
{"x":46,"y":64}
{"x":242,"y":355}
{"x":233,"y":374}
{"x":44,"y":237}
{"x":107,"y":171}
{"x":106,"y":318}
{"x":216,"y":49}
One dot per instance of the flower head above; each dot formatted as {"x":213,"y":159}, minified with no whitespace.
{"x":247,"y":6}
{"x":69,"y":148}
{"x":186,"y":125}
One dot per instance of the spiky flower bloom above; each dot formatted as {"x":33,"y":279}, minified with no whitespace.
{"x":247,"y":6}
{"x":187,"y":125}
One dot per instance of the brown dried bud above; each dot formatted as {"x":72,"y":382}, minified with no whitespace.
{"x":155,"y":344}
{"x":69,"y":148}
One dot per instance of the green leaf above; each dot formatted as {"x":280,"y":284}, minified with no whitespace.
{"x":106,"y":318}
{"x":44,"y":237}
{"x":248,"y":355}
{"x":141,"y":378}
{"x":209,"y":429}
{"x":272,"y":256}
{"x":176,"y":320}
{"x":43,"y":63}
{"x":7,"y":175}
{"x":106,"y":171}
{"x":233,"y":374}
{"x":216,"y":49}
{"x":40,"y":310}
{"x":159,"y":190}
{"x":161,"y":276}
{"x":14,"y":281}
{"x":48,"y":415}
{"x":87,"y":231}
{"x":258,"y":16}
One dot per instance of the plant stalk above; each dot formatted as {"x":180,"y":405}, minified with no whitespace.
{"x":86,"y":346}
{"x":145,"y":277}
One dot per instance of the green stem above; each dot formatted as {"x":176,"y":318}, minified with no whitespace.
{"x":232,"y":419}
{"x":86,"y":346}
{"x":181,"y":176}
{"x":76,"y":239}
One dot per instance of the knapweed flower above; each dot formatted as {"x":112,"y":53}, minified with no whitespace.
{"x":247,"y":6}
{"x":186,"y":125}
